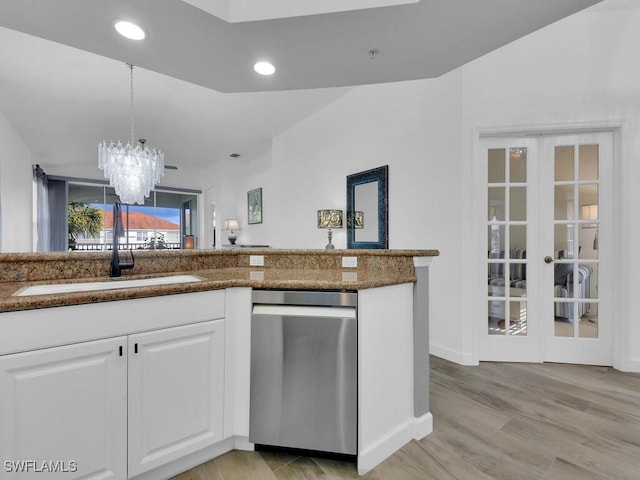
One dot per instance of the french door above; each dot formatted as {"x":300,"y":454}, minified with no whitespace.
{"x":549,"y":241}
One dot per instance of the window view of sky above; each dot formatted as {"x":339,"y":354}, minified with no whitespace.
{"x":169,"y":214}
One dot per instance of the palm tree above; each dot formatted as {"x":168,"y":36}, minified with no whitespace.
{"x":84,"y":220}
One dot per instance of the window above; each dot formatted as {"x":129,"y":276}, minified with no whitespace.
{"x":160,"y":223}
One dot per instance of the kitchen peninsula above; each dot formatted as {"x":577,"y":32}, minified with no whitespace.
{"x":155,"y":378}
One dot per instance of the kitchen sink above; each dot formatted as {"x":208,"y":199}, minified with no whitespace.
{"x":105,"y":285}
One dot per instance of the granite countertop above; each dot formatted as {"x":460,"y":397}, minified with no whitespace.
{"x":291,"y":270}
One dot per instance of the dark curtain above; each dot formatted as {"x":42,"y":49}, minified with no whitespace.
{"x":52,"y":229}
{"x":42,"y":199}
{"x":58,"y":218}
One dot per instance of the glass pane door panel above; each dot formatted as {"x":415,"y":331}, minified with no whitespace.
{"x":563,"y":202}
{"x":518,"y":318}
{"x":562,"y":278}
{"x":496,"y":239}
{"x":506,"y":241}
{"x":588,"y":326}
{"x":518,"y":165}
{"x":589,"y":211}
{"x":518,"y":203}
{"x":576,"y":242}
{"x":563,"y":327}
{"x":564,"y":163}
{"x":496,"y":317}
{"x":588,"y":201}
{"x":496,"y":203}
{"x":496,"y":279}
{"x":588,"y":239}
{"x":496,"y":168}
{"x":518,"y":237}
{"x":564,"y":240}
{"x":588,"y":162}
{"x":584,"y":278}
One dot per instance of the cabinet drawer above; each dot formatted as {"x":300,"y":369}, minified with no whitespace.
{"x":47,"y":327}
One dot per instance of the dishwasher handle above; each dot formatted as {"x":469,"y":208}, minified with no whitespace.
{"x":305,"y":297}
{"x":304,"y":311}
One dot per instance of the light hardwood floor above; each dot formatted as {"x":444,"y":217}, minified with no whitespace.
{"x":496,"y":421}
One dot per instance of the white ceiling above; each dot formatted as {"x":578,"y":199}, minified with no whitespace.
{"x":62,"y":101}
{"x":64,"y":85}
{"x":252,"y":10}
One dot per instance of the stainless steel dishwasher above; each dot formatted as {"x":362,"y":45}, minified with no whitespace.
{"x":304,"y":370}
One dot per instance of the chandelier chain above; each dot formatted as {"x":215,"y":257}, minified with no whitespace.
{"x":132,"y":130}
{"x":133,"y":170}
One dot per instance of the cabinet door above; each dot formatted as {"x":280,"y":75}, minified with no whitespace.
{"x":64,"y":410}
{"x":175,"y":393}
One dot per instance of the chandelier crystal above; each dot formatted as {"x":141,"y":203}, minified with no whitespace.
{"x":133,"y":170}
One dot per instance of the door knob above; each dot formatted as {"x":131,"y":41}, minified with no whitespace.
{"x":548,"y":259}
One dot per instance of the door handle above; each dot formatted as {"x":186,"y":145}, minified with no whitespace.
{"x":548,"y":259}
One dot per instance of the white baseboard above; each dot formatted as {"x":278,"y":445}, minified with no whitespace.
{"x":423,"y":426}
{"x":412,"y":429}
{"x":386,"y":446}
{"x":242,"y":443}
{"x":452,"y":355}
{"x":632,"y":365}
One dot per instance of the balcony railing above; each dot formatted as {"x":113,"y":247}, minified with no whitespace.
{"x":99,"y":247}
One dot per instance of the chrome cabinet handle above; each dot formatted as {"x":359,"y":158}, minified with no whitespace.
{"x":548,"y":259}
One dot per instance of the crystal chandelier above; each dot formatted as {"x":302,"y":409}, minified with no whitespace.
{"x":133,"y":170}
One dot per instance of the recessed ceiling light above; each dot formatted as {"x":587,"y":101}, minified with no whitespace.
{"x":130,"y":30}
{"x":264,"y":68}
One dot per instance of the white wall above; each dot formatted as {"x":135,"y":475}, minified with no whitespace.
{"x":15,"y":191}
{"x":581,"y":70}
{"x":414,"y":127}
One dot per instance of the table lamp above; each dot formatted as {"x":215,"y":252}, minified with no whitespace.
{"x":355,"y":220}
{"x":231,"y":224}
{"x":329,"y":219}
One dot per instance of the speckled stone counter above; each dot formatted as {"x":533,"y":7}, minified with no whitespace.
{"x":283,"y":269}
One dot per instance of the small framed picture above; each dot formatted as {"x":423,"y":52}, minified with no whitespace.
{"x":254,"y":206}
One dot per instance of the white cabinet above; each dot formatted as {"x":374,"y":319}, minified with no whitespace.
{"x":152,"y":397}
{"x":65,"y":408}
{"x":176,"y":393}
